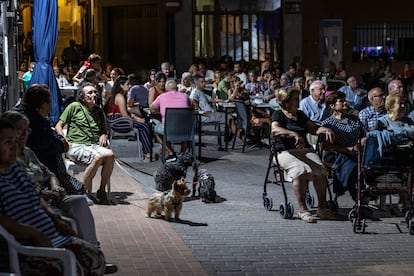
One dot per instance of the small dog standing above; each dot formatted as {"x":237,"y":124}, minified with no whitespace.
{"x":169,"y":202}
{"x":169,"y":172}
{"x":206,"y":184}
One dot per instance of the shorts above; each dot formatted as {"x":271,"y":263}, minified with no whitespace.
{"x":159,"y":129}
{"x":299,"y":162}
{"x":85,"y":153}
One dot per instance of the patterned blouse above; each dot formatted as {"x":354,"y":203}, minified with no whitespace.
{"x":348,"y":132}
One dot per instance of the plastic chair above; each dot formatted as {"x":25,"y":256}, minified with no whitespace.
{"x":243,"y":123}
{"x":179,"y":126}
{"x":124,"y":128}
{"x":15,"y":248}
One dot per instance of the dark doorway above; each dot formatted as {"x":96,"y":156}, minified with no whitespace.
{"x":131,"y":37}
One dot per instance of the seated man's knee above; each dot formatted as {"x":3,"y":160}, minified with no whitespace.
{"x":97,"y":157}
{"x":107,"y":155}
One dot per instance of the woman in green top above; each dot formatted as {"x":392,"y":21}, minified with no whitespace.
{"x":224,"y":90}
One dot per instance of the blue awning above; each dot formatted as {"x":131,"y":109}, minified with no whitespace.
{"x":45,"y":33}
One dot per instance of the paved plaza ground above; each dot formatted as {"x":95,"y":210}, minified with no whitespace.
{"x":237,"y":236}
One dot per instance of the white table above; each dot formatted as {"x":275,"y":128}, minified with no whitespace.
{"x":69,"y":90}
{"x":233,"y":105}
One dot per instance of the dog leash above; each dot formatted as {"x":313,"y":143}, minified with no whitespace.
{"x":130,"y":166}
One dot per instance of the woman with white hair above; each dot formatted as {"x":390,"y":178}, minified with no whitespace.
{"x":186,"y":84}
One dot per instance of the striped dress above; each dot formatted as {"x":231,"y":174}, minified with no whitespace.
{"x":20,"y":201}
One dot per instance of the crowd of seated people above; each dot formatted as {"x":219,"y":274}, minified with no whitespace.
{"x":301,"y":107}
{"x":56,"y":200}
{"x":230,"y":81}
{"x":23,"y":180}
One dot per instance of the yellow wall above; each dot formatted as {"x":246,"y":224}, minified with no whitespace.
{"x":70,"y":26}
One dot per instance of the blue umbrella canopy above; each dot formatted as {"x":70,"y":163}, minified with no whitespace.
{"x":45,"y":33}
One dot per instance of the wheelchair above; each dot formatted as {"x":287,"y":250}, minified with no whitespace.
{"x":383,"y":170}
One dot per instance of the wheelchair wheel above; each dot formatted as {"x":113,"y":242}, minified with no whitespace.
{"x":291,"y":210}
{"x":267,"y":203}
{"x":352,"y":215}
{"x":309,"y":200}
{"x":282,"y":210}
{"x":286,"y":212}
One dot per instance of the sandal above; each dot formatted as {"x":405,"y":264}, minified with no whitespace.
{"x":325,"y":214}
{"x":306,"y":216}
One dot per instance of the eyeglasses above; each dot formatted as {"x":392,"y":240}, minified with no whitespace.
{"x":320,"y":88}
{"x":92,"y":92}
{"x":379,"y":96}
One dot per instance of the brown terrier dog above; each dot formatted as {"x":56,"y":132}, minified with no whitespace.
{"x":170,"y":201}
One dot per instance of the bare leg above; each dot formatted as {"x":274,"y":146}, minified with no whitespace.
{"x":319,"y":182}
{"x":107,"y":168}
{"x":168,"y":149}
{"x":232,"y":127}
{"x":299,"y":188}
{"x":158,"y":137}
{"x":184,"y":146}
{"x":90,"y":172}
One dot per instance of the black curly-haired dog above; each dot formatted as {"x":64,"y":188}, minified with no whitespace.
{"x":206,"y":184}
{"x":165,"y":175}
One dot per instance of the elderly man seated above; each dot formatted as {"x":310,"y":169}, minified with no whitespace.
{"x":355,"y":95}
{"x":314,"y":105}
{"x":87,"y":136}
{"x":370,"y":115}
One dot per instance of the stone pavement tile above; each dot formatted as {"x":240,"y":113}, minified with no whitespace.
{"x":137,"y":244}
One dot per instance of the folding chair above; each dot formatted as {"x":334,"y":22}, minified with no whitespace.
{"x":179,"y":126}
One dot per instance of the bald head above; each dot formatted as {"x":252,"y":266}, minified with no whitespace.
{"x":375,"y":92}
{"x":395,"y":87}
{"x":171,"y":85}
